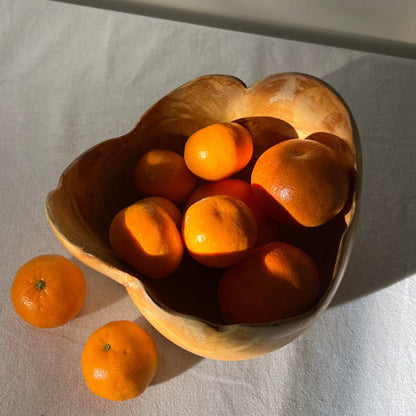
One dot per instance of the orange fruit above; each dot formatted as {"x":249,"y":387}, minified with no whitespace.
{"x":145,"y":236}
{"x":163,"y":173}
{"x":218,"y":151}
{"x":168,"y":206}
{"x":219,"y":230}
{"x":231,"y":187}
{"x":275,"y":281}
{"x":267,"y":230}
{"x":339,"y":146}
{"x":119,"y":361}
{"x":300,"y":181}
{"x":48,"y":291}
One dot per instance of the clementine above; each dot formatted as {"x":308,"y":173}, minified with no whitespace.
{"x":219,"y":230}
{"x":119,"y":361}
{"x":48,"y":291}
{"x":145,"y":236}
{"x":168,"y":206}
{"x":339,"y":146}
{"x":232,"y":187}
{"x":267,"y":229}
{"x":161,"y":172}
{"x":218,"y":151}
{"x":300,"y":181}
{"x":275,"y":281}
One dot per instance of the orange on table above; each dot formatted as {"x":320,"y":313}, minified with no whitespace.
{"x":48,"y":291}
{"x":218,"y":151}
{"x":168,"y":206}
{"x":267,"y":229}
{"x":275,"y":281}
{"x":219,"y":230}
{"x":300,"y":181}
{"x":161,"y":172}
{"x":119,"y":361}
{"x":145,"y":236}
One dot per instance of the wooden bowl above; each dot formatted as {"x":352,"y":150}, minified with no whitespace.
{"x":183,"y":306}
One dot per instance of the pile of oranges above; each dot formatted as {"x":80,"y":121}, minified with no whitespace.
{"x":194,"y":203}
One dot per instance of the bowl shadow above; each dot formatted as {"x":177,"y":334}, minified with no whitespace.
{"x":173,"y":360}
{"x":380,"y":98}
{"x":101,"y":291}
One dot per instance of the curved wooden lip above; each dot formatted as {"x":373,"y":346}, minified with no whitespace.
{"x":345,"y":244}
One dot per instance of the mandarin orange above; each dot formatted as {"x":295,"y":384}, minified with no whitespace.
{"x":219,"y":230}
{"x":267,"y":229}
{"x":171,"y":208}
{"x":161,"y":172}
{"x":145,"y":236}
{"x":218,"y":151}
{"x":48,"y":291}
{"x":340,"y":147}
{"x":119,"y":361}
{"x":275,"y":281}
{"x":300,"y":181}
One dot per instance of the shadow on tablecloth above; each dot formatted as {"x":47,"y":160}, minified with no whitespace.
{"x":381,"y":95}
{"x":173,"y":360}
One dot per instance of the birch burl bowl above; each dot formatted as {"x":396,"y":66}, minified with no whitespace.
{"x":183,"y":306}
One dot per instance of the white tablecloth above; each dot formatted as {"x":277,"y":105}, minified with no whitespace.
{"x":72,"y":76}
